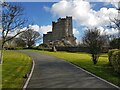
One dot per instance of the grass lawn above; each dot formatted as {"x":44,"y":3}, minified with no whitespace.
{"x":15,"y":66}
{"x":102,"y":69}
{"x":0,"y":76}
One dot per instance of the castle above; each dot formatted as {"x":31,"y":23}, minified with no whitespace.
{"x":62,"y":31}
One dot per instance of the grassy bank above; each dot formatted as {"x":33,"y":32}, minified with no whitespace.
{"x":15,"y":66}
{"x":102,"y":69}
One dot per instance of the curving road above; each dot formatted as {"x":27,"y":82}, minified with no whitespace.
{"x":51,"y":72}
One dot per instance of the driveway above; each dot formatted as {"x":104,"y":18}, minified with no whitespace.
{"x":52,"y":72}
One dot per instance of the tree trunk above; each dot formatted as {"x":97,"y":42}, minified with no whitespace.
{"x":1,"y":54}
{"x":54,"y":49}
{"x":94,"y":59}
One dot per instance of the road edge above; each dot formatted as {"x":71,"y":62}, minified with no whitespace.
{"x":30,"y":75}
{"x":94,"y":75}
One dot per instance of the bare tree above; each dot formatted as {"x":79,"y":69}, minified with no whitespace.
{"x":12,"y":21}
{"x":116,"y":20}
{"x":94,"y":41}
{"x":19,"y":42}
{"x":10,"y":44}
{"x":30,"y":37}
{"x":115,"y":23}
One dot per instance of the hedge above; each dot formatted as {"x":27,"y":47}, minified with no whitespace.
{"x":114,"y":58}
{"x":110,"y":54}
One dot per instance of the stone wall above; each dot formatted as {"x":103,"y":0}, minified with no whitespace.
{"x":73,"y":49}
{"x":79,"y":49}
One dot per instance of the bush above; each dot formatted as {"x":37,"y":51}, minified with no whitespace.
{"x":114,"y":59}
{"x":110,"y":54}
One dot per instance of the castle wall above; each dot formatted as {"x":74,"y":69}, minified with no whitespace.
{"x":47,"y":38}
{"x":70,"y":26}
{"x":62,"y":29}
{"x":59,"y":29}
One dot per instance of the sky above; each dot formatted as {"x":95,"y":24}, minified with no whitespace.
{"x":85,"y":14}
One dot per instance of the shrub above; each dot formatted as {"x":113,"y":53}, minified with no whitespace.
{"x":115,"y":61}
{"x":110,"y":54}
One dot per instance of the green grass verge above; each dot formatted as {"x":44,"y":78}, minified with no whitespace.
{"x":15,"y":66}
{"x":0,"y":76}
{"x":83,"y":60}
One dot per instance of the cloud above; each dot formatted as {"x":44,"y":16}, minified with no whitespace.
{"x":83,"y":13}
{"x":103,"y":16}
{"x":76,"y":8}
{"x":41,"y":29}
{"x":113,"y":2}
{"x":23,"y":29}
{"x":110,"y":1}
{"x":76,"y":32}
{"x":45,"y":29}
{"x":46,"y":8}
{"x":35,"y":27}
{"x":111,"y":31}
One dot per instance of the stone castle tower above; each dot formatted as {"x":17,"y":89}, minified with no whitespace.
{"x":62,"y":31}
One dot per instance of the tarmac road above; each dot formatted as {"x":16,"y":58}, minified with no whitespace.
{"x":52,"y":72}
